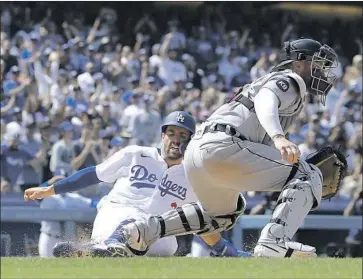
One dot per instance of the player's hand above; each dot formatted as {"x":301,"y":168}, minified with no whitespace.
{"x":289,"y":151}
{"x":37,"y":193}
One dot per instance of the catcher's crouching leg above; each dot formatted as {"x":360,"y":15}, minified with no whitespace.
{"x":323,"y":172}
{"x":134,"y":239}
{"x":297,"y":198}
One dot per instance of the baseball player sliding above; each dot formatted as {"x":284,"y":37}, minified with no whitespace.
{"x":147,"y":181}
{"x":242,"y":147}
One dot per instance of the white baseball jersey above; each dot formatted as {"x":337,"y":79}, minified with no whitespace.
{"x":144,"y":186}
{"x":173,"y":191}
{"x":136,"y":171}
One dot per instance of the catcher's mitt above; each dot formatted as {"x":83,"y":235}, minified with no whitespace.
{"x":333,"y":166}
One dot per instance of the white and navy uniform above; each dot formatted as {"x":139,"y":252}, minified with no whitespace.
{"x":144,"y":185}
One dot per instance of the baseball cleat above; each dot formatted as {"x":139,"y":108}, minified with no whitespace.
{"x":284,"y":250}
{"x":115,"y":248}
{"x":119,"y":244}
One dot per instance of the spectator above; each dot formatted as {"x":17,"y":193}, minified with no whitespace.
{"x":116,"y":144}
{"x":86,"y":81}
{"x":309,"y":146}
{"x":339,"y":136}
{"x":32,"y":144}
{"x":177,"y":39}
{"x":261,"y":67}
{"x":15,"y":175}
{"x":315,"y":126}
{"x":86,"y":150}
{"x":170,"y":69}
{"x":104,"y":143}
{"x":62,"y":160}
{"x":107,"y":120}
{"x":194,"y":74}
{"x":204,"y":47}
{"x":145,"y":127}
{"x":131,"y":111}
{"x":242,"y":78}
{"x":228,"y":68}
{"x":5,"y":55}
{"x":155,"y":59}
{"x":11,"y":99}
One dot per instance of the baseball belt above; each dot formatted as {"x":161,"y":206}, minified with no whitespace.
{"x":225,"y":129}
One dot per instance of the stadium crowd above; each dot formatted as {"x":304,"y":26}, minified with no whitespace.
{"x":72,"y":93}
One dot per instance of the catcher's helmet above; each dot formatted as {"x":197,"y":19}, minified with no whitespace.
{"x":181,"y":119}
{"x":323,"y":58}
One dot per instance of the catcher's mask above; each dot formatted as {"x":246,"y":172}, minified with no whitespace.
{"x":323,"y":59}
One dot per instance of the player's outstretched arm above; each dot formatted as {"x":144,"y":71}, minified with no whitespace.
{"x":107,"y":171}
{"x":42,"y":188}
{"x":79,"y":180}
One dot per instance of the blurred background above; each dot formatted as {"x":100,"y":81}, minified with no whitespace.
{"x":81,"y":80}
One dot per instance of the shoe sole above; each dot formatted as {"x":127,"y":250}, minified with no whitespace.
{"x":295,"y":254}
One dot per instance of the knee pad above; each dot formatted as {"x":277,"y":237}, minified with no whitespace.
{"x":233,"y":216}
{"x":227,"y":221}
{"x":310,"y":174}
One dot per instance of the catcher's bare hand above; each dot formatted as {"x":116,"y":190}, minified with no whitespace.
{"x":37,"y":193}
{"x":289,"y":151}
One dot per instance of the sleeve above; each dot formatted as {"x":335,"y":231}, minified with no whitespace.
{"x":289,"y":99}
{"x":267,"y":111}
{"x":113,"y":167}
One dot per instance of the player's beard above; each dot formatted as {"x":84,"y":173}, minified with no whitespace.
{"x":170,"y":153}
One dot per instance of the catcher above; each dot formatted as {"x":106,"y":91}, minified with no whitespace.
{"x":242,"y":147}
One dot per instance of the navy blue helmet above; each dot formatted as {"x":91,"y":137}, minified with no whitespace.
{"x":181,"y":119}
